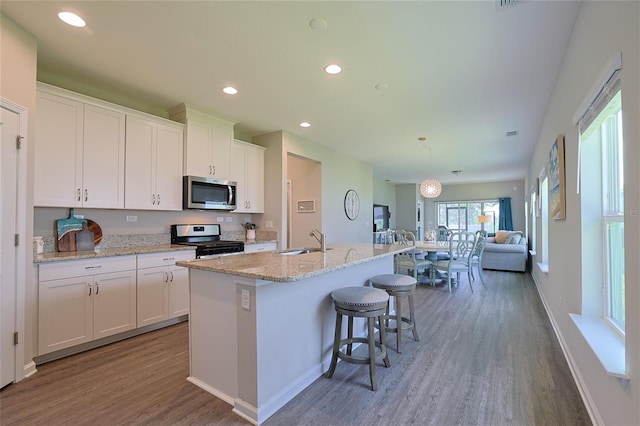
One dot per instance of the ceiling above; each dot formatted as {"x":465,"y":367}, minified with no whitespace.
{"x":459,"y":73}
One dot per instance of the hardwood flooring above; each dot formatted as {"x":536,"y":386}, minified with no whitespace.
{"x":484,"y":358}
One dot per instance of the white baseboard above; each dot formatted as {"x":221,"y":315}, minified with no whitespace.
{"x":594,"y":415}
{"x":29,"y":369}
{"x":213,"y":391}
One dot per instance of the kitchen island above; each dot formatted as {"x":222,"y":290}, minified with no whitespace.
{"x":261,"y":325}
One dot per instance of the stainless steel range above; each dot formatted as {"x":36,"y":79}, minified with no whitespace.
{"x":206,"y":239}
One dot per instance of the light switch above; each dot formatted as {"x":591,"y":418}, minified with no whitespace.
{"x":246,"y":300}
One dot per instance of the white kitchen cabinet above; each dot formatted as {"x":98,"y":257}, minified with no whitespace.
{"x":79,"y":151}
{"x":84,"y":300}
{"x":207,"y":142}
{"x":163,"y":288}
{"x":153,"y":174}
{"x":248,"y":171}
{"x":257,"y":247}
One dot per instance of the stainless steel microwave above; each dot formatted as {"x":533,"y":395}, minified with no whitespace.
{"x":208,"y":194}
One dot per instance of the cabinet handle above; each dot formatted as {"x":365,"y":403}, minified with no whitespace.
{"x":153,"y":199}
{"x":213,"y":170}
{"x":89,"y":285}
{"x":210,"y":170}
{"x":166,"y":277}
{"x":171,"y":272}
{"x":79,"y":196}
{"x":86,"y":195}
{"x":158,"y":199}
{"x":97,"y":287}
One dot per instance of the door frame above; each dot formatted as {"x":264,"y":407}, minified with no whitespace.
{"x":24,"y":246}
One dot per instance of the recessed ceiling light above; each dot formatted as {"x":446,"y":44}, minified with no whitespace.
{"x":318,"y":24}
{"x":72,"y":19}
{"x":305,"y":124}
{"x":230,"y":90}
{"x":333,"y":69}
{"x":513,"y":133}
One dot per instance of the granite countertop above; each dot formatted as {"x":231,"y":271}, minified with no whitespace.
{"x":271,"y":266}
{"x":92,"y":254}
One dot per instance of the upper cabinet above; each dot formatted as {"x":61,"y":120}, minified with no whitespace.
{"x":248,"y":172}
{"x":79,"y":151}
{"x":207,"y":142}
{"x":154,"y":164}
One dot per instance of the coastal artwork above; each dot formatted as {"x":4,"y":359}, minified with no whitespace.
{"x":557,"y":197}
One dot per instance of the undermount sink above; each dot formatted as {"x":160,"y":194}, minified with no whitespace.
{"x":297,"y":251}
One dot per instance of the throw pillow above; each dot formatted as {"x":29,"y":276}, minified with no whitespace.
{"x":501,"y":236}
{"x":514,"y":238}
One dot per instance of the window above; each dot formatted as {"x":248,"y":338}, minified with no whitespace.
{"x":544,"y":223}
{"x":463,"y":215}
{"x":534,"y":228}
{"x":602,"y":320}
{"x":602,"y":203}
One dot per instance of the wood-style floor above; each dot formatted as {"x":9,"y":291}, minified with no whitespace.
{"x":484,"y":358}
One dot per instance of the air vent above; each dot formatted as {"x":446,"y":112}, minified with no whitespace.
{"x":503,"y":4}
{"x":513,"y":133}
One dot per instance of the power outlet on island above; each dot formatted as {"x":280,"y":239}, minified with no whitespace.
{"x":246,"y":300}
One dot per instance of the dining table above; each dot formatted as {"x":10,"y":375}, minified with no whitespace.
{"x":432,"y":248}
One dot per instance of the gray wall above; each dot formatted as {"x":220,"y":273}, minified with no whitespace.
{"x":384,"y":193}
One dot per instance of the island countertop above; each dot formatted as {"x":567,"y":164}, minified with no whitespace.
{"x":272,"y":266}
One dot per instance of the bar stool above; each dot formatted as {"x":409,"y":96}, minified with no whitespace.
{"x":397,"y":285}
{"x":363,"y":302}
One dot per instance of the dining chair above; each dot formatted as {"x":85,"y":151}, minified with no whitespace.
{"x":408,"y":260}
{"x":476,"y":255}
{"x":461,"y":245}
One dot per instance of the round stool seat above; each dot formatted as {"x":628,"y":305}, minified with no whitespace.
{"x":360,"y":298}
{"x":395,"y":282}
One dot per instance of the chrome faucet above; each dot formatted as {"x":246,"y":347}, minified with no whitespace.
{"x":321,"y":239}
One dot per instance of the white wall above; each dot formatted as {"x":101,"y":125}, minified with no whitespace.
{"x":306,"y":184}
{"x":601,"y":29}
{"x":480,"y":192}
{"x":340,"y":173}
{"x":18,"y":51}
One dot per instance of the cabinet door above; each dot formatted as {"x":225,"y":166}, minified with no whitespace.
{"x":178,"y":291}
{"x":198,"y":149}
{"x":152,"y":295}
{"x":238,"y":174}
{"x":103,"y":158}
{"x":220,"y":152}
{"x":254,"y":179}
{"x":168,"y":169}
{"x":65,"y":310}
{"x":114,"y":303}
{"x":58,"y":151}
{"x":140,"y":163}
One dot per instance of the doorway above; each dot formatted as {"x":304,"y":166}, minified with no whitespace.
{"x":12,"y":234}
{"x":304,"y":200}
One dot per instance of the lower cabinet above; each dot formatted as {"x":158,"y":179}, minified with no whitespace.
{"x":163,"y":288}
{"x":84,"y":300}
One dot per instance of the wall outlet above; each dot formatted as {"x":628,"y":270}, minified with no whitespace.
{"x":228,"y":219}
{"x":246,"y":300}
{"x":131,"y":218}
{"x":220,"y":219}
{"x":78,"y":216}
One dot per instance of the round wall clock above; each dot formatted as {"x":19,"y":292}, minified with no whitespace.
{"x":352,"y":204}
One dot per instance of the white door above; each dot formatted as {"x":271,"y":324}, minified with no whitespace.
{"x":10,"y":123}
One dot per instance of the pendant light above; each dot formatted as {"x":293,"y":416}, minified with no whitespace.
{"x":430,"y":188}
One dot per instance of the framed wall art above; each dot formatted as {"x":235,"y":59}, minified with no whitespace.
{"x":557,"y":190}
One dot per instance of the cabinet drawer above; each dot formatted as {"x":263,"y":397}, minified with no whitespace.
{"x":169,"y":258}
{"x":78,"y":268}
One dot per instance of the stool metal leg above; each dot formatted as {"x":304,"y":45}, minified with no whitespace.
{"x":349,"y":333}
{"x":336,"y":345}
{"x":412,"y":317}
{"x":383,"y":347}
{"x":372,"y":352}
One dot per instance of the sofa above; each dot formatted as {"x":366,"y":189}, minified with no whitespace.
{"x":507,"y":251}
